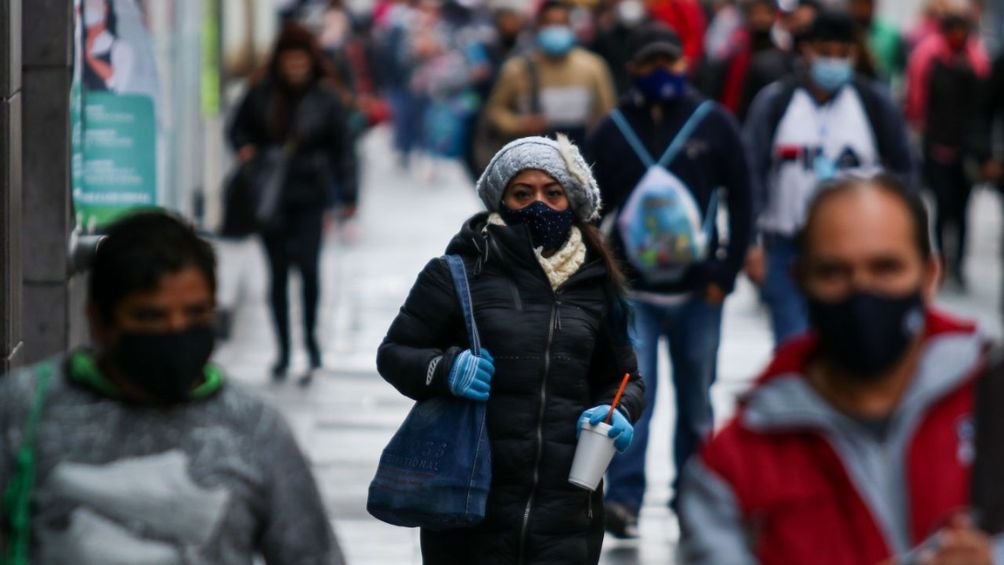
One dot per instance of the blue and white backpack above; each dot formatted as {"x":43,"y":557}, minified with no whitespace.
{"x":661,"y":225}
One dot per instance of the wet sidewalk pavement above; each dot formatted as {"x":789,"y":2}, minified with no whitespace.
{"x":344,"y":419}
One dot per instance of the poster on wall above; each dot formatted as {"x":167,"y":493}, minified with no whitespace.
{"x":114,"y":103}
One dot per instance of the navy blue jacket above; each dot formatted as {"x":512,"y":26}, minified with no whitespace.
{"x":712,"y":158}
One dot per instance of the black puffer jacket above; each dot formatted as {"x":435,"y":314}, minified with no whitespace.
{"x":554,"y":356}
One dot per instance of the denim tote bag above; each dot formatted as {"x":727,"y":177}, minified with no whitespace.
{"x":436,"y":471}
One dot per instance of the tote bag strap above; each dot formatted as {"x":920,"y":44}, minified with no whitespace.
{"x":459,"y":274}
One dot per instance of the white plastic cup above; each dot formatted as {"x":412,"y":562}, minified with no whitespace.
{"x":592,"y":456}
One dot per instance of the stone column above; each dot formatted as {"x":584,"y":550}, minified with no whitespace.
{"x":49,"y":291}
{"x":11,"y":352}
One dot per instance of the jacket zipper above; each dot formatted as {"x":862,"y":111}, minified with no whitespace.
{"x":540,"y":431}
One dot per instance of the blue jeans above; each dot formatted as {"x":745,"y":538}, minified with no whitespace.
{"x":693,"y":331}
{"x":789,"y":314}
{"x":409,"y":110}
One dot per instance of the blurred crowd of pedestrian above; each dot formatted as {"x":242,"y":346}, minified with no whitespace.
{"x":460,"y":78}
{"x":442,"y":70}
{"x":633,"y":158}
{"x":750,"y":105}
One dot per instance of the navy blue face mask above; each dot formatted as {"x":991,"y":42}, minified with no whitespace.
{"x":866,"y":333}
{"x":661,"y":85}
{"x":549,"y":228}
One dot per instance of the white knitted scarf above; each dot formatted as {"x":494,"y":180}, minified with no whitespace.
{"x":564,"y":263}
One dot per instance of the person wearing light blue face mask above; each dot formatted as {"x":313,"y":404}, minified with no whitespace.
{"x":831,"y":73}
{"x":830,"y":55}
{"x":807,"y":130}
{"x":557,"y":87}
{"x":556,"y":40}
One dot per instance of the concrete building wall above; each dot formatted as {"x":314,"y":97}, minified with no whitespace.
{"x":10,"y":184}
{"x":49,"y":291}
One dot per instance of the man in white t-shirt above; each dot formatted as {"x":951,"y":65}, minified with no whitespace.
{"x":801,"y":131}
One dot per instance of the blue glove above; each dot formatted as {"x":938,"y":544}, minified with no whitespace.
{"x":620,"y":428}
{"x":470,"y":376}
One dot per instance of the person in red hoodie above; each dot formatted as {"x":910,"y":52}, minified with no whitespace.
{"x":856,"y":445}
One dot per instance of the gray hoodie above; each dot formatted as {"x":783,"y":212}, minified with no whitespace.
{"x":217,"y":481}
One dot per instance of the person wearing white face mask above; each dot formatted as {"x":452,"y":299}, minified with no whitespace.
{"x":807,"y":129}
{"x":557,"y":88}
{"x":108,"y":61}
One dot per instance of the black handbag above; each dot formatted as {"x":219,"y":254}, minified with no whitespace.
{"x":238,"y":206}
{"x":252,"y":193}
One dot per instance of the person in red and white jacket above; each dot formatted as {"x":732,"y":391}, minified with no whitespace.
{"x":856,"y":445}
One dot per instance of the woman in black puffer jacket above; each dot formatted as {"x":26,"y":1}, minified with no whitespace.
{"x":549,"y":304}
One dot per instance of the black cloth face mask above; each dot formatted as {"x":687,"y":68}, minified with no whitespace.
{"x":549,"y":228}
{"x":165,"y":365}
{"x":865,"y":334}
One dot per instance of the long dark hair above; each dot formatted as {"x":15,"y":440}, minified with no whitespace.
{"x":296,"y":37}
{"x":621,"y":313}
{"x":597,"y":244}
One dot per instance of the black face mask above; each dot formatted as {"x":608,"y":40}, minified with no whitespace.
{"x":866,"y":334}
{"x":549,"y":228}
{"x":165,"y":365}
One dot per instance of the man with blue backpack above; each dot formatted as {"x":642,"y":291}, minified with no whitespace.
{"x":667,"y":161}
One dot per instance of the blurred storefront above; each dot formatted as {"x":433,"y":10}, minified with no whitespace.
{"x":150,"y":99}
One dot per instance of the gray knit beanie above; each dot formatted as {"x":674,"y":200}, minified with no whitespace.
{"x":560,"y":159}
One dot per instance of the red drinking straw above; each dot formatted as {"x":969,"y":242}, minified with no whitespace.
{"x":617,"y":397}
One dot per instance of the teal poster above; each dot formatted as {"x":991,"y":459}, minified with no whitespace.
{"x":114,"y":113}
{"x":119,"y":157}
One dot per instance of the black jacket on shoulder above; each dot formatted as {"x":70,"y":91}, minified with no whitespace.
{"x":555,"y":357}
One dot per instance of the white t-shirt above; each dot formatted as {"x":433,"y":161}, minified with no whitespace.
{"x":810,"y":139}
{"x":567,"y":106}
